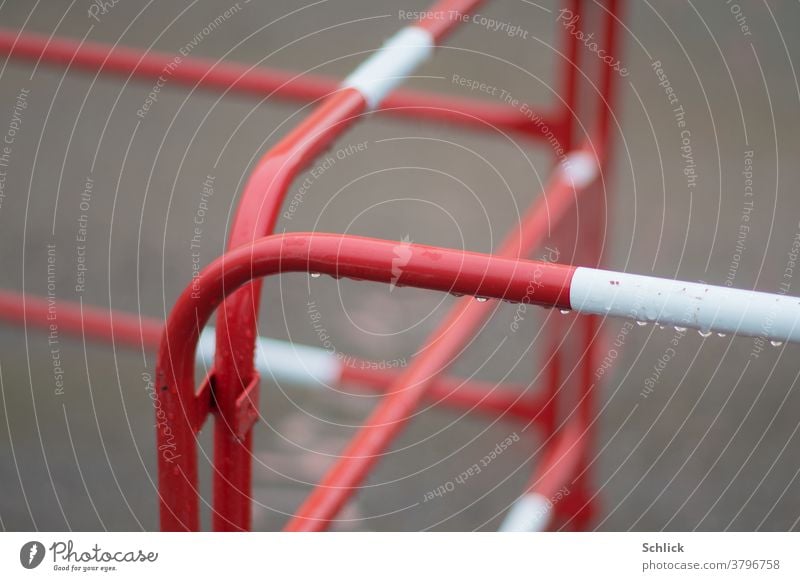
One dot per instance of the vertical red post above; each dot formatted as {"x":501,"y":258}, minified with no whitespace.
{"x":582,"y":504}
{"x":562,"y":240}
{"x":237,"y":319}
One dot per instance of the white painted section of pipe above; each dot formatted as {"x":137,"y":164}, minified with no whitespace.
{"x":580,"y":167}
{"x":531,"y":513}
{"x":686,"y":304}
{"x":281,"y":361}
{"x":391,"y":64}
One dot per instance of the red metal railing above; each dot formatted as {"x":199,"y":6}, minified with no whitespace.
{"x":570,"y":210}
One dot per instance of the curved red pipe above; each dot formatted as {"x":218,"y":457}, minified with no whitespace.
{"x":257,"y":213}
{"x":428,"y":267}
{"x":256,"y":216}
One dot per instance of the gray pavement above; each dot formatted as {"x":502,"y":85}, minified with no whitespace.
{"x":702,"y":435}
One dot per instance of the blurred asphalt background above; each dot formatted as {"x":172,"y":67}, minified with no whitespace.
{"x":713,"y":447}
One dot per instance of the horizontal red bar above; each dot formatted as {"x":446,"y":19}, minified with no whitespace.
{"x":266,"y":82}
{"x":459,"y":272}
{"x":121,"y":329}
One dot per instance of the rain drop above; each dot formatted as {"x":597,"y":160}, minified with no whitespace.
{"x":564,"y":311}
{"x":481,"y":299}
{"x":704,"y":333}
{"x":680,"y":329}
{"x":720,"y":334}
{"x":641,"y":323}
{"x":315,"y":275}
{"x":776,"y":343}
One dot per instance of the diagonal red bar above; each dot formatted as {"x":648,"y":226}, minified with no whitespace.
{"x":435,"y":357}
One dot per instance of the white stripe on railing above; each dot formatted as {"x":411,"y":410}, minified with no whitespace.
{"x":686,"y":304}
{"x":391,"y":64}
{"x":531,"y":513}
{"x":580,"y":168}
{"x":282,"y":361}
{"x":592,"y":291}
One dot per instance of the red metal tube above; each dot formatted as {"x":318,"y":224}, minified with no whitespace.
{"x":443,"y":16}
{"x":260,"y":81}
{"x":561,"y":460}
{"x":439,"y":351}
{"x":569,"y":80}
{"x":582,"y":503}
{"x":256,"y":216}
{"x":233,"y":383}
{"x":118,"y":328}
{"x":74,"y":318}
{"x":550,"y":487}
{"x":428,"y":267}
{"x":511,"y":401}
